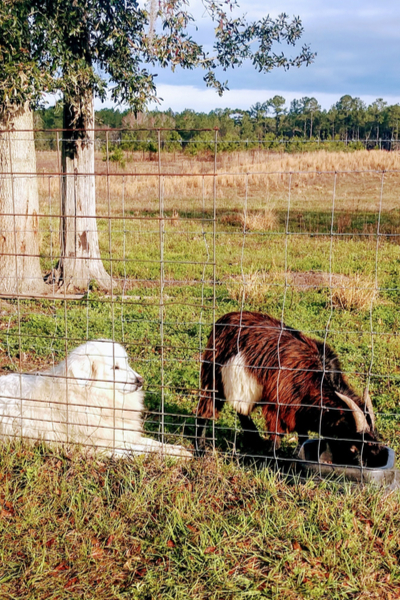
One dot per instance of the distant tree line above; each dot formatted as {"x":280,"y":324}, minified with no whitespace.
{"x":348,"y":124}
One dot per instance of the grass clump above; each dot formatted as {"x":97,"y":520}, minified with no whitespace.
{"x":174,"y":219}
{"x":260,"y":221}
{"x":357,"y":292}
{"x":75,"y":526}
{"x":253,"y":287}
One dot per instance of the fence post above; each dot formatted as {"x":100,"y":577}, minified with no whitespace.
{"x":162,"y":235}
{"x":214,"y":272}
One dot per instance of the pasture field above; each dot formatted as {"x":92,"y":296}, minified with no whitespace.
{"x":313,"y":238}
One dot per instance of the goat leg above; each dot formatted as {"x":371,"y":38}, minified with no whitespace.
{"x":200,"y":435}
{"x":251,"y":436}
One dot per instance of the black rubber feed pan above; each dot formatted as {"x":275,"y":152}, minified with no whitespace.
{"x":315,"y":458}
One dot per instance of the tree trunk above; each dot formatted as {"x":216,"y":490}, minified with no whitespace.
{"x":80,"y":260}
{"x":20,"y":271}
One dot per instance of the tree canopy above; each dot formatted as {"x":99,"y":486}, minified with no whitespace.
{"x":73,"y":46}
{"x":23,"y":72}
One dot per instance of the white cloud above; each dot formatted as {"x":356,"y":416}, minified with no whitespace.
{"x":179,"y":97}
{"x":355,"y":42}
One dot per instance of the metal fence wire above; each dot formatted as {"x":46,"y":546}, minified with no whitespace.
{"x":255,"y":294}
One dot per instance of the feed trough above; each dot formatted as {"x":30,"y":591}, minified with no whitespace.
{"x":315,"y":457}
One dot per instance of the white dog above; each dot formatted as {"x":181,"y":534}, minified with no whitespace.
{"x":93,"y":398}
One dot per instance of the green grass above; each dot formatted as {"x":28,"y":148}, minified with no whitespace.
{"x":134,"y":319}
{"x":95,"y":529}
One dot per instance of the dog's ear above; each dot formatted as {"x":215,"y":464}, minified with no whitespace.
{"x":81,"y":369}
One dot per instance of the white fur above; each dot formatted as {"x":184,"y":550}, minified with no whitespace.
{"x":92,"y":398}
{"x":241,"y":389}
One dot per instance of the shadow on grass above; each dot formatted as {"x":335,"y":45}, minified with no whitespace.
{"x":360,"y":222}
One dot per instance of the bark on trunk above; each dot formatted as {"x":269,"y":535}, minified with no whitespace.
{"x":80,"y":260}
{"x":20,"y":271}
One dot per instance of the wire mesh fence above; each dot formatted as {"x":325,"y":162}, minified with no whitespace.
{"x":188,"y":249}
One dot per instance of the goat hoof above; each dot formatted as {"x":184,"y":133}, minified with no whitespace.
{"x":200,"y":447}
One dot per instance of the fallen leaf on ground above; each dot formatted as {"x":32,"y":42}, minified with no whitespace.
{"x":296,"y":545}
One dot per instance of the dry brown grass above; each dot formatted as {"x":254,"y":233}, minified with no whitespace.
{"x":349,"y":292}
{"x":174,"y":220}
{"x":260,"y":221}
{"x":253,"y":287}
{"x":355,"y":292}
{"x":264,"y":177}
{"x":374,"y":160}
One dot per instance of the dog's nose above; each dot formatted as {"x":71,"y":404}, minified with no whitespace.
{"x":139,"y":380}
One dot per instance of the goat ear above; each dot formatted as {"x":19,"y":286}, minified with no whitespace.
{"x":80,"y":368}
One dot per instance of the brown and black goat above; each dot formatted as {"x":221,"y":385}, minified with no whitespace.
{"x":297,"y":381}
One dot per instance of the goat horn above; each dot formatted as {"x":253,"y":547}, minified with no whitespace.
{"x":369,"y":407}
{"x":359,"y":417}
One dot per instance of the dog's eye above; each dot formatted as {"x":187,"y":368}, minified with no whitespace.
{"x":116,"y":367}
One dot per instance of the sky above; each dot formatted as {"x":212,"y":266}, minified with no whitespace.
{"x":357,"y":44}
